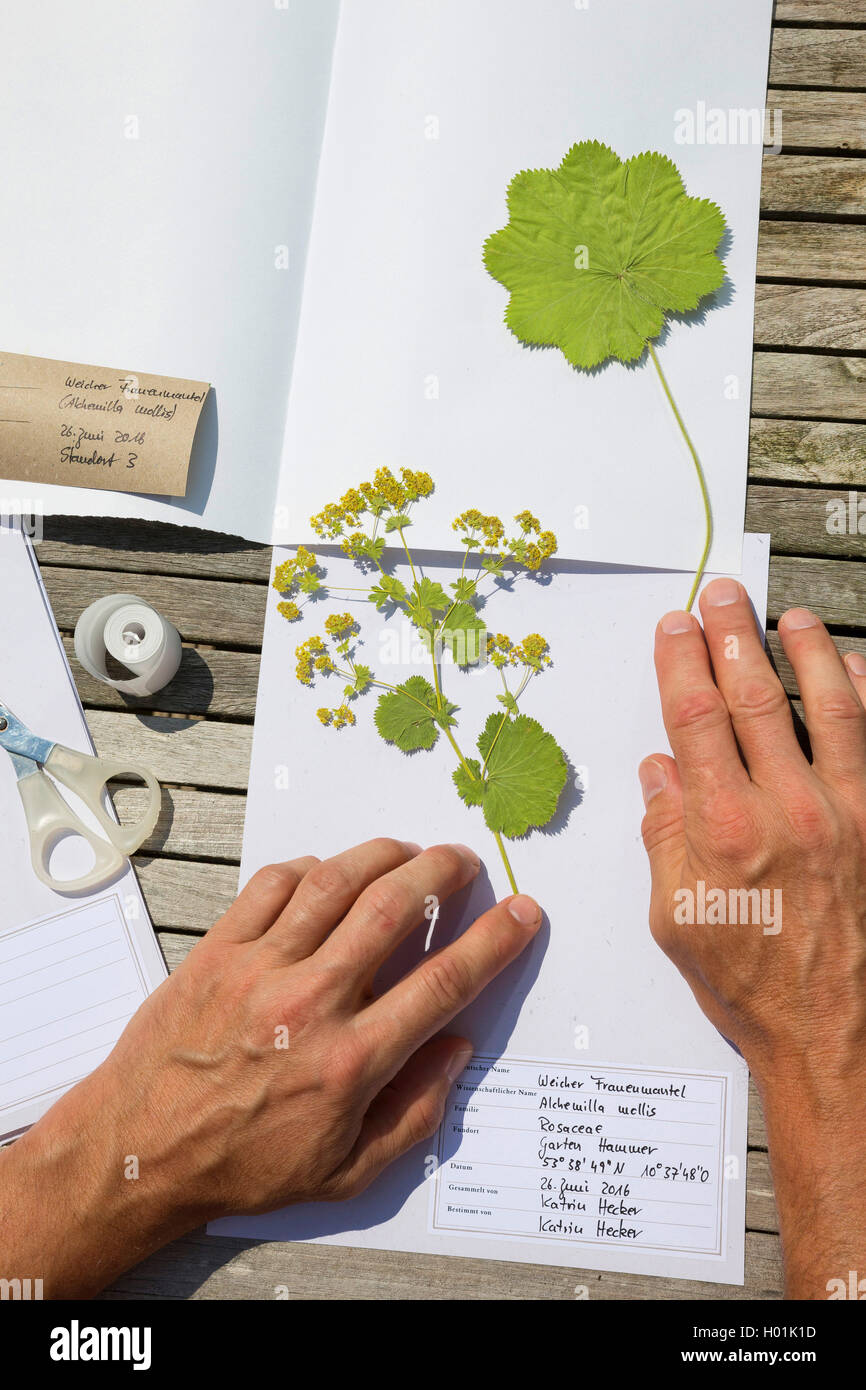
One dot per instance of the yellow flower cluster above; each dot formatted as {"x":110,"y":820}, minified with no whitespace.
{"x":532,"y":553}
{"x":337,"y":718}
{"x":351,"y":545}
{"x":288,"y":573}
{"x":289,"y":610}
{"x":533,"y":651}
{"x":339,"y":625}
{"x":471,"y":522}
{"x":490,"y":531}
{"x":385,"y":492}
{"x":312,"y":656}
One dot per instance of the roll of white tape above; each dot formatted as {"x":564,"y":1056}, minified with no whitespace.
{"x":125,"y":628}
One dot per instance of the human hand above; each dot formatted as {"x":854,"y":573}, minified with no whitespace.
{"x":740,"y":807}
{"x":265,"y":1071}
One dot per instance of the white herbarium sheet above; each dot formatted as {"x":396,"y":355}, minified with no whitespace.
{"x":290,"y":202}
{"x":603,"y":1122}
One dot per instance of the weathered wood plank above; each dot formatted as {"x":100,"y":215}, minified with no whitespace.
{"x":811,"y":251}
{"x":819,"y":187}
{"x":144,"y":547}
{"x":194,"y":824}
{"x":818,"y":58}
{"x":205,"y":1267}
{"x":210,"y":681}
{"x":757,"y":1138}
{"x":216,"y":611}
{"x":820,"y":12}
{"x":804,"y":384}
{"x":808,"y":451}
{"x":815,"y":120}
{"x":796,"y":316}
{"x":834,"y":589}
{"x":194,"y":752}
{"x":175,"y":946}
{"x":761,"y":1213}
{"x":186,"y":895}
{"x":808,"y":521}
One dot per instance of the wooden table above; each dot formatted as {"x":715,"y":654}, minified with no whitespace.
{"x":808,"y":443}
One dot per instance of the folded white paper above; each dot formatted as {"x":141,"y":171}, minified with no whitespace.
{"x":294,"y":210}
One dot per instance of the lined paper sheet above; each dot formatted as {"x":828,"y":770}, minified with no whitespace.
{"x":68,"y":985}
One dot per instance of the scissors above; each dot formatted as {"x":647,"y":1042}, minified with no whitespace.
{"x":49,"y":817}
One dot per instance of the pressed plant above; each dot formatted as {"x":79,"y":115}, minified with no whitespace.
{"x":520,"y":772}
{"x":597,"y":253}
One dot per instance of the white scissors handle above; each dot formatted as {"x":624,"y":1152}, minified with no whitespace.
{"x":49,"y":817}
{"x":88,"y":776}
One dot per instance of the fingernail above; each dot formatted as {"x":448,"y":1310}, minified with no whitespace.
{"x":411,"y":848}
{"x":653,"y":779}
{"x":675,"y":623}
{"x":856,"y":663}
{"x":525,"y":910}
{"x":468,"y":854}
{"x":722,"y":592}
{"x":458,"y":1063}
{"x":797,"y":618}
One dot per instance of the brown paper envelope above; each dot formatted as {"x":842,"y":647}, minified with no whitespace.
{"x":61,"y":422}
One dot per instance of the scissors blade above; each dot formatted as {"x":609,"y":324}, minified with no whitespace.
{"x":20,"y":743}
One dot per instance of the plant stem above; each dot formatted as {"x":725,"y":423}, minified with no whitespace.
{"x":408,"y":556}
{"x":498,"y":838}
{"x":701,"y":480}
{"x":467,"y":769}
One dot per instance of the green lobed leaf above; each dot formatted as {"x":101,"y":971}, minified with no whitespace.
{"x":464,"y":634}
{"x":525,"y":774}
{"x":596,"y":252}
{"x":429,"y":594}
{"x":388,"y":590}
{"x":464,"y":588}
{"x":408,"y":715}
{"x":470,"y":789}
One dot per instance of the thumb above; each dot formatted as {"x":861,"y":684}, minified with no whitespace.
{"x":663,"y":826}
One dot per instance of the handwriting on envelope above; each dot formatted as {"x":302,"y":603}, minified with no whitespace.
{"x":62,"y":422}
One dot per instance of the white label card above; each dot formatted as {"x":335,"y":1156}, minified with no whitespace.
{"x":566,"y":1151}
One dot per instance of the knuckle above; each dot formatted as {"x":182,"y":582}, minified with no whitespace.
{"x":346,"y":1067}
{"x":838,"y":706}
{"x":273,"y":878}
{"x":698,"y":709}
{"x":731,"y":826}
{"x":447,"y":860}
{"x":386,"y":904}
{"x":812,"y":827}
{"x":657,"y":828}
{"x":446,"y":982}
{"x":756,"y":699}
{"x":330,"y":880}
{"x":424,"y":1118}
{"x":387,"y":846}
